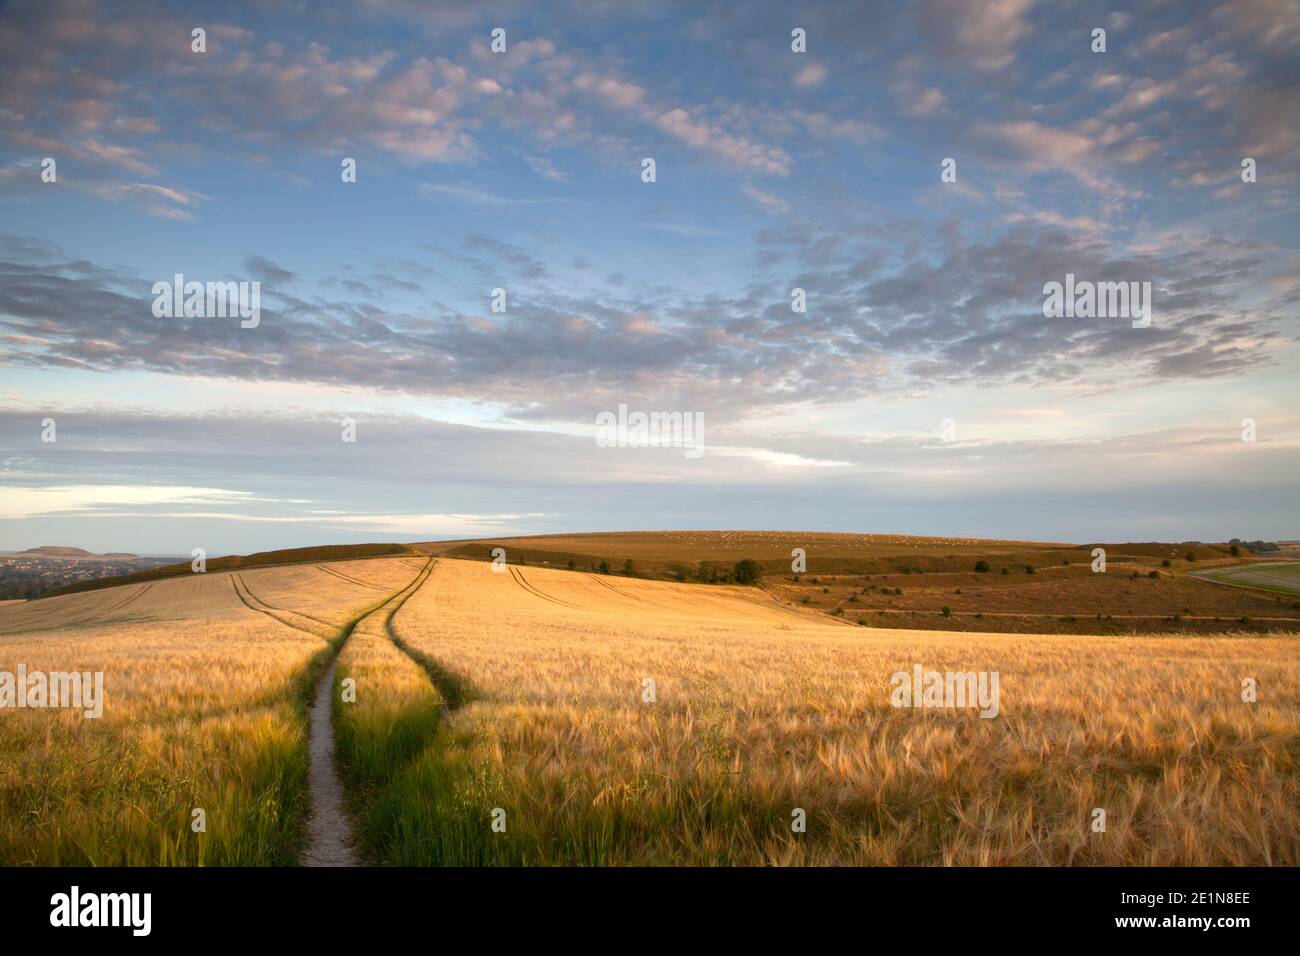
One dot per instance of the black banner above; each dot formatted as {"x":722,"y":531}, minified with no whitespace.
{"x":337,"y":905}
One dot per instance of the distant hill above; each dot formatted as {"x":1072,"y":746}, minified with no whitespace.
{"x":60,"y":551}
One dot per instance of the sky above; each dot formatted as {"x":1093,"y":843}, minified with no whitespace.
{"x":921,"y":390}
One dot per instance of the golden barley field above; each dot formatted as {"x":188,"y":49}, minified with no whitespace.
{"x":527,"y":716}
{"x":205,"y":681}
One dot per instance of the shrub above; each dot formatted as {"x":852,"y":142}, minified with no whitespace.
{"x":981,"y":566}
{"x":604,"y":567}
{"x":1153,"y":574}
{"x":1190,"y":556}
{"x":748,"y":571}
{"x":1235,"y":551}
{"x":1029,"y":569}
{"x":628,"y":567}
{"x":1166,"y":563}
{"x":1005,"y":571}
{"x":947,"y":611}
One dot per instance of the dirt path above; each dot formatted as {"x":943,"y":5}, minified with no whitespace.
{"x":329,"y":829}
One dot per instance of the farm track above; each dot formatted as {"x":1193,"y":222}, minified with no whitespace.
{"x":523,"y":583}
{"x":454,"y":691}
{"x":329,"y":830}
{"x":339,"y":574}
{"x":286,"y":610}
{"x":42,"y":623}
{"x":132,"y":597}
{"x":621,"y":593}
{"x":275,"y":613}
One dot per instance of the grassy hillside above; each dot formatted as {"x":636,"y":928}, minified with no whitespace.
{"x":683,"y":554}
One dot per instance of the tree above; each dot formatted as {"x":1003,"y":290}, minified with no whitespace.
{"x":604,"y":567}
{"x":629,"y":568}
{"x":748,"y":571}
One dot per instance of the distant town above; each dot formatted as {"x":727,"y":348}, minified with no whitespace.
{"x":30,"y":573}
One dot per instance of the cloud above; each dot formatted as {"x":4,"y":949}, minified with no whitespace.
{"x":769,"y":201}
{"x":741,"y":152}
{"x":971,"y":315}
{"x":265,"y":270}
{"x":480,"y":197}
{"x":984,"y":34}
{"x":164,"y":202}
{"x":811,"y":75}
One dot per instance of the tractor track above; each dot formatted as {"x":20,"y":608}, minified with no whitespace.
{"x":329,"y":829}
{"x":339,"y":574}
{"x":251,"y":602}
{"x":523,"y":583}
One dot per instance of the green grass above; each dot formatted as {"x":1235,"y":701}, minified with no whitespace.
{"x":1281,"y":578}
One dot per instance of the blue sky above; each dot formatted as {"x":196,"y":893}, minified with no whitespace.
{"x":522,"y":170}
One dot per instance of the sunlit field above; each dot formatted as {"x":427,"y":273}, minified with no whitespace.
{"x":533,"y":716}
{"x":760,"y":712}
{"x":205,"y":680}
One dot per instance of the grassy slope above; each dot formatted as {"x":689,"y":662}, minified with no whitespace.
{"x":666,"y":553}
{"x":1279,"y":577}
